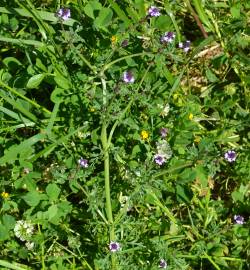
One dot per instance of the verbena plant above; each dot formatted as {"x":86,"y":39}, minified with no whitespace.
{"x":124,"y":134}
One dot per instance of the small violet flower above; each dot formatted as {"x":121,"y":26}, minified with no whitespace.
{"x":83,"y":162}
{"x":230,"y":156}
{"x":114,"y":246}
{"x":185,"y":45}
{"x":124,"y":43}
{"x":163,"y":132}
{"x":154,"y":11}
{"x":63,"y":13}
{"x":163,"y":264}
{"x":168,"y":37}
{"x":159,"y":159}
{"x":239,"y":219}
{"x":128,"y":77}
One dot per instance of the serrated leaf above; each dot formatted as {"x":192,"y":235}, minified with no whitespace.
{"x":35,"y":81}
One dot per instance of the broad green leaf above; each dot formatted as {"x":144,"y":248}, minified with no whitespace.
{"x":57,"y":95}
{"x":91,"y":7}
{"x":52,"y":211}
{"x":8,"y":221}
{"x":32,"y":198}
{"x":53,"y":191}
{"x":35,"y":81}
{"x":104,"y":18}
{"x":4,"y":234}
{"x":163,"y":23}
{"x":61,"y":81}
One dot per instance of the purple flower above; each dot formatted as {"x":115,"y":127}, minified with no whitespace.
{"x":83,"y":162}
{"x":185,"y":45}
{"x":114,"y":246}
{"x":63,"y":13}
{"x":154,"y":11}
{"x":230,"y":155}
{"x":124,"y":43}
{"x":163,"y":132}
{"x":163,"y":264}
{"x":168,"y":37}
{"x":159,"y":159}
{"x":239,"y":219}
{"x":128,"y":77}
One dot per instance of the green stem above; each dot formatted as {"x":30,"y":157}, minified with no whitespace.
{"x":24,"y":97}
{"x":107,"y":66}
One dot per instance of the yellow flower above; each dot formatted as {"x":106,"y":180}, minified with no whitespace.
{"x":144,"y":135}
{"x":113,"y":39}
{"x":5,"y":195}
{"x":197,"y":139}
{"x":91,"y":109}
{"x":191,"y":116}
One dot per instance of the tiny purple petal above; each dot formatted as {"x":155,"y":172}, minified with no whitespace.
{"x":114,"y":246}
{"x":159,"y":159}
{"x":124,"y":43}
{"x":63,"y":13}
{"x":154,"y":11}
{"x":128,"y":77}
{"x":83,"y":162}
{"x":239,"y":219}
{"x":163,"y":264}
{"x":168,"y":37}
{"x":186,"y":46}
{"x":230,"y":156}
{"x":163,"y":132}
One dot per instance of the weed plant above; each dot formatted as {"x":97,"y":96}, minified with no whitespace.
{"x":124,"y":135}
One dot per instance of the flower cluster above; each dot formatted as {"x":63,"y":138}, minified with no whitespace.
{"x":163,"y":132}
{"x":164,"y":152}
{"x":63,"y":13}
{"x":5,"y":195}
{"x":144,"y":135}
{"x":83,"y":163}
{"x":128,"y":77}
{"x":163,"y":264}
{"x":114,"y":246}
{"x":239,"y":219}
{"x":185,"y":45}
{"x":23,"y":230}
{"x":230,"y":156}
{"x":154,"y":11}
{"x":168,"y":37}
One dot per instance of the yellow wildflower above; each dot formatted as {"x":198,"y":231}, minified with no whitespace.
{"x":144,"y":135}
{"x":113,"y":39}
{"x":91,"y":109}
{"x":191,"y":116}
{"x":5,"y":195}
{"x":197,"y":139}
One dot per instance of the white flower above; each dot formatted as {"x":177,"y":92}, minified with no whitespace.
{"x":30,"y":245}
{"x":23,"y":230}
